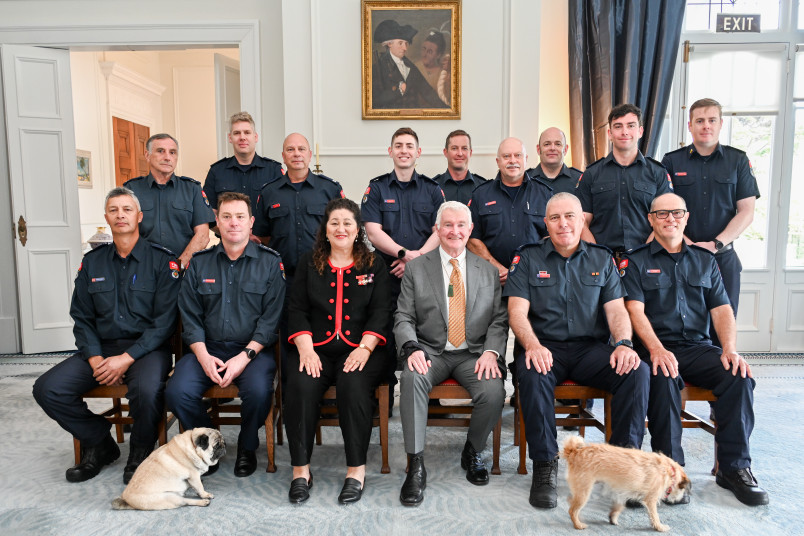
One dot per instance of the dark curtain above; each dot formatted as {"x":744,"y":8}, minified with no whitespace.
{"x":620,"y":51}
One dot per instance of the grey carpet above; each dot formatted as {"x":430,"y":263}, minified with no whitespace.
{"x":36,"y":499}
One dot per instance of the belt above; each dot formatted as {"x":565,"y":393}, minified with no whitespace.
{"x":727,"y":247}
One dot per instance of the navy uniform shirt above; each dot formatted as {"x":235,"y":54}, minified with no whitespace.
{"x":406,"y":210}
{"x":565,"y":181}
{"x":678,"y":290}
{"x":132,"y":298}
{"x":566,"y":294}
{"x":232,"y":301}
{"x":170,"y":211}
{"x":711,"y":186}
{"x":459,"y":190}
{"x":226,"y":175}
{"x":620,"y":197}
{"x":504,"y":223}
{"x":291,"y":216}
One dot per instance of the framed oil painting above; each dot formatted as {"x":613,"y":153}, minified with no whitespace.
{"x":83,"y":161}
{"x":411,"y":59}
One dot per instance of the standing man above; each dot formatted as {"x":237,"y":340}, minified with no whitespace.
{"x":552,"y":170}
{"x":245,"y":172}
{"x":720,"y":189}
{"x":565,"y":301}
{"x":451,"y":323}
{"x":230,"y":302}
{"x":509,"y":210}
{"x":457,"y":181}
{"x":124,"y":308}
{"x":176,"y":213}
{"x":673,"y":288}
{"x":399,"y":209}
{"x":289,"y":211}
{"x":616,"y":191}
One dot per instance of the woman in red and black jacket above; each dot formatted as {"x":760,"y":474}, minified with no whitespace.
{"x":338,"y":315}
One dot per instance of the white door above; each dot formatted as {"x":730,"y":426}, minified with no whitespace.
{"x":44,"y":192}
{"x":227,"y":99}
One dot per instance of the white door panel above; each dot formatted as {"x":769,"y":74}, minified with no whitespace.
{"x":227,"y":99}
{"x":42,"y":170}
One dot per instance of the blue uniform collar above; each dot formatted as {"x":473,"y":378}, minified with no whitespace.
{"x":152,"y":181}
{"x":640,"y":159}
{"x":138,"y":251}
{"x":655,"y":247}
{"x":413,"y":178}
{"x":548,"y":244}
{"x":307,"y":183}
{"x":692,"y":151}
{"x":255,"y":162}
{"x":250,"y":251}
{"x":564,"y":171}
{"x":469,"y":177}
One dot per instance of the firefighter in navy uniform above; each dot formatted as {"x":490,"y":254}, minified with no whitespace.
{"x":457,"y":182}
{"x":551,"y":169}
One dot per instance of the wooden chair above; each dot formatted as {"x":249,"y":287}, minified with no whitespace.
{"x":229,"y":413}
{"x":576,"y":414}
{"x":690,"y":393}
{"x":460,"y":415}
{"x":329,"y":417}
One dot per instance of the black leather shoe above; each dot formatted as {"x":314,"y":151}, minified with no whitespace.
{"x":633,"y":503}
{"x":744,"y":486}
{"x":300,"y":489}
{"x":212,"y":469}
{"x":246,"y":462}
{"x":685,"y":499}
{"x":543,"y":488}
{"x":412,"y":493}
{"x":352,"y":491}
{"x":471,"y":461}
{"x":93,"y":459}
{"x":136,"y":456}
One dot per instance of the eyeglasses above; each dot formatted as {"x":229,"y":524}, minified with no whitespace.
{"x":663,"y":214}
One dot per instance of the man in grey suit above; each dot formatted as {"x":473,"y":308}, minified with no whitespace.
{"x":450,"y":322}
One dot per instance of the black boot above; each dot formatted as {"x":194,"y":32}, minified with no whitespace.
{"x":742,"y":483}
{"x":543,"y":488}
{"x":246,"y":462}
{"x":93,"y":459}
{"x":136,"y":456}
{"x":476,"y":472}
{"x":413,"y":489}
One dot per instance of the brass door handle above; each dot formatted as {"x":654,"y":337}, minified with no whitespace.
{"x":22,"y":228}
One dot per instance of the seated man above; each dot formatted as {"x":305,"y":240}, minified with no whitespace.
{"x":673,"y":288}
{"x":450,"y":322}
{"x":124,"y":308}
{"x":565,"y":302}
{"x":230,"y":301}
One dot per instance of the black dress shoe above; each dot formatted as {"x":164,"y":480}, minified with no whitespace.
{"x":351,"y":491}
{"x":412,"y":492}
{"x":212,"y":469}
{"x":744,"y":486}
{"x":471,"y":461}
{"x":136,"y":456}
{"x":246,"y":462}
{"x":300,"y":489}
{"x":685,"y":499}
{"x":93,"y":459}
{"x":543,"y":488}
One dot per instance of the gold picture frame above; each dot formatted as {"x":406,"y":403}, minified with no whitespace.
{"x":419,"y":80}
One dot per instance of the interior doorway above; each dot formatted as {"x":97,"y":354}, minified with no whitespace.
{"x":129,"y":150}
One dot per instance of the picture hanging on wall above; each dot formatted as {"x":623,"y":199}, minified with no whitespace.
{"x":83,"y":160}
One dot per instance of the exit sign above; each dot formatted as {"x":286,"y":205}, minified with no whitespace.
{"x":727,"y":22}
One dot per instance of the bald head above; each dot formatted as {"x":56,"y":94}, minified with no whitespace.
{"x":552,"y":148}
{"x":296,"y":154}
{"x":511,"y":159}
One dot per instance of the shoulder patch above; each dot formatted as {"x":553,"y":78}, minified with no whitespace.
{"x":366,"y":193}
{"x":514,"y":263}
{"x":204,"y":195}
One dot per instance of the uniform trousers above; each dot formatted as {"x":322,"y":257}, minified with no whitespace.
{"x":59,"y":391}
{"x":699,"y":364}
{"x":488,"y":397}
{"x":255,"y":386}
{"x":730,"y":268}
{"x":586,"y":363}
{"x":355,"y":401}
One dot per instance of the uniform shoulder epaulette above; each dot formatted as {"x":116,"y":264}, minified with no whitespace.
{"x":224,"y":159}
{"x":600,"y":246}
{"x":188,"y":179}
{"x":330,"y":179}
{"x":385,"y":176}
{"x":99,"y":247}
{"x":428,"y":178}
{"x":699,"y":248}
{"x":729,"y":148}
{"x":163,"y":249}
{"x":593,"y":164}
{"x":654,"y":161}
{"x":481,"y":177}
{"x":269,"y":250}
{"x":266,"y":159}
{"x":486,"y":184}
{"x":576,"y":170}
{"x":135,"y":179}
{"x":540,"y":181}
{"x":202,"y":251}
{"x":638,"y":248}
{"x":679,"y":150}
{"x":523,"y":247}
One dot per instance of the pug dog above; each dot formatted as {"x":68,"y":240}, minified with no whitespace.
{"x":630,"y":473}
{"x":161,"y":480}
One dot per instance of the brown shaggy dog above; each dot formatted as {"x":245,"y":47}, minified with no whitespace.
{"x":630,"y":473}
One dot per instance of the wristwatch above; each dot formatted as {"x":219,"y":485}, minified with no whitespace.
{"x":250,"y":353}
{"x":365,"y":347}
{"x":625,"y":342}
{"x":401,"y":253}
{"x":719,"y":245}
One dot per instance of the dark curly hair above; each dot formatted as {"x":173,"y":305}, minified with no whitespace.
{"x":361,"y":254}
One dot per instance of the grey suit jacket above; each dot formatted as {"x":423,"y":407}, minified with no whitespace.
{"x":421,"y":314}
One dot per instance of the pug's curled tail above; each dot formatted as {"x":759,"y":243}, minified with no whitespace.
{"x":120,"y":504}
{"x":571,"y":446}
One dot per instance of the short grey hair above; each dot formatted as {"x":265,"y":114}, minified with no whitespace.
{"x":678,"y":198}
{"x":161,"y":136}
{"x":562,"y":196}
{"x":119,"y":192}
{"x":453,"y":205}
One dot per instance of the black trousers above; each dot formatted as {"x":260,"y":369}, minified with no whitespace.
{"x":699,"y":364}
{"x":587,"y":363}
{"x":59,"y":390}
{"x":730,"y":269}
{"x":355,"y":399}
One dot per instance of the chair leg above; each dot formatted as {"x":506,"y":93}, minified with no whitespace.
{"x":582,"y":428}
{"x":118,"y":412}
{"x":523,"y":468}
{"x":515,"y":396}
{"x":162,"y":430}
{"x":318,"y":435}
{"x":607,"y":411}
{"x":77,"y":449}
{"x":383,"y":401}
{"x":495,"y":467}
{"x":269,"y":440}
